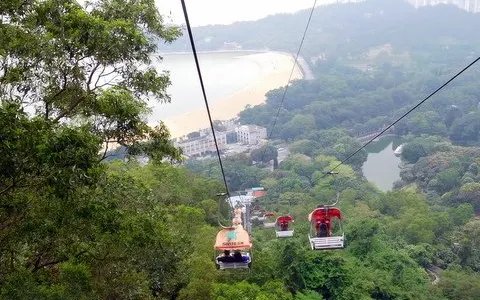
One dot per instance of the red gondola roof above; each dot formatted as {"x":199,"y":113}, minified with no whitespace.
{"x":269,"y":215}
{"x":284,"y":219}
{"x":325,"y":213}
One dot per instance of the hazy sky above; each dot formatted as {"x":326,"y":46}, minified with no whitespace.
{"x":205,"y":12}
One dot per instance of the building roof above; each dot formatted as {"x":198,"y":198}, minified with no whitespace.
{"x":241,"y":199}
{"x":258,"y":194}
{"x":251,"y":127}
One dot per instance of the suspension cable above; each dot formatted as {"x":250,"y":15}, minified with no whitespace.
{"x":194,"y":50}
{"x":291,"y":75}
{"x":403,"y":116}
{"x":219,"y":215}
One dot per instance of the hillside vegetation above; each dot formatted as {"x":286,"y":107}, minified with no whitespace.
{"x":388,"y":30}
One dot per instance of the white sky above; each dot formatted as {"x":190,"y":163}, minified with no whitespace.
{"x":206,"y":12}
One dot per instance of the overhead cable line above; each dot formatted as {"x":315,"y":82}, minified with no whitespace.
{"x":403,"y":116}
{"x":194,"y":50}
{"x":291,"y":74}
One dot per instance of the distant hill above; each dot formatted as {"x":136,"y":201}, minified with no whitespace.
{"x":377,"y":29}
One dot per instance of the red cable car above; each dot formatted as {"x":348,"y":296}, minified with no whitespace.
{"x":283,"y":226}
{"x":322,"y":221}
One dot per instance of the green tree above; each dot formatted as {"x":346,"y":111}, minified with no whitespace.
{"x":297,"y":126}
{"x":466,"y":129}
{"x":70,"y":227}
{"x":413,"y":151}
{"x":461,"y":214}
{"x":428,"y":122}
{"x":470,"y":193}
{"x":448,"y":180}
{"x":265,"y":154}
{"x":300,"y":164}
{"x":307,"y":147}
{"x":457,"y":284}
{"x":452,"y":113}
{"x":469,"y":241}
{"x":308,"y":295}
{"x":94,"y":64}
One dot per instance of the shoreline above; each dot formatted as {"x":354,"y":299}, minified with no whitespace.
{"x":253,"y":94}
{"x":302,"y":64}
{"x":218,"y":51}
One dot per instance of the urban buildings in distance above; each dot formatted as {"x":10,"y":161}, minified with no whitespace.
{"x":229,"y":134}
{"x":468,"y":5}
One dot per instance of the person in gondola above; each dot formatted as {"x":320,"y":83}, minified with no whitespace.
{"x":283,"y":226}
{"x":226,"y":257}
{"x":237,"y":256}
{"x":322,"y":230}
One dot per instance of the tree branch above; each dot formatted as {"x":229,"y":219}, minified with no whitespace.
{"x":47,"y":103}
{"x":96,"y":81}
{"x":39,"y":266}
{"x":70,"y":109}
{"x":105,"y":152}
{"x":91,"y":75}
{"x":107,"y":83}
{"x":7,"y":188}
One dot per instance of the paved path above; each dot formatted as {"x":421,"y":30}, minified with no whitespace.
{"x":435,"y":272}
{"x":305,"y":68}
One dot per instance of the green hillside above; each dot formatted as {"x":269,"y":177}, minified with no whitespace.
{"x":390,"y":30}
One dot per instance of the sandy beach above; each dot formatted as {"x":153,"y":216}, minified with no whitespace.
{"x":275,"y":70}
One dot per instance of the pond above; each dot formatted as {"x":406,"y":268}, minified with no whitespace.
{"x":381,"y":167}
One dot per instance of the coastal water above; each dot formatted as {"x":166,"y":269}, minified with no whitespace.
{"x":223,"y":73}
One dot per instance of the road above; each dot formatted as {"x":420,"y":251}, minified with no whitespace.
{"x":435,"y":272}
{"x":305,"y":68}
{"x":282,"y":154}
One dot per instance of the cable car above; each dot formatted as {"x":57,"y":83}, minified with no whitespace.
{"x":323,"y":220}
{"x":257,"y":213}
{"x":283,"y":226}
{"x":260,"y":214}
{"x":233,"y":239}
{"x":269,"y":220}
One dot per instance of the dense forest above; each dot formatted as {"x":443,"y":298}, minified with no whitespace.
{"x":77,"y":224}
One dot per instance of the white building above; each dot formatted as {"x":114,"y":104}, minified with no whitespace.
{"x":250,"y":134}
{"x":203,"y":144}
{"x":241,"y":199}
{"x":468,"y":5}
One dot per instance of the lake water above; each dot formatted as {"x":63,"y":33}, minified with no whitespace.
{"x":381,"y":167}
{"x":223,"y":74}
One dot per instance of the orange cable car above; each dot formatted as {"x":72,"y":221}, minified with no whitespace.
{"x":233,"y":239}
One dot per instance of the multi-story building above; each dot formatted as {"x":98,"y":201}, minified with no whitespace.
{"x":202,"y":145}
{"x":250,"y":134}
{"x":231,"y":46}
{"x":202,"y":142}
